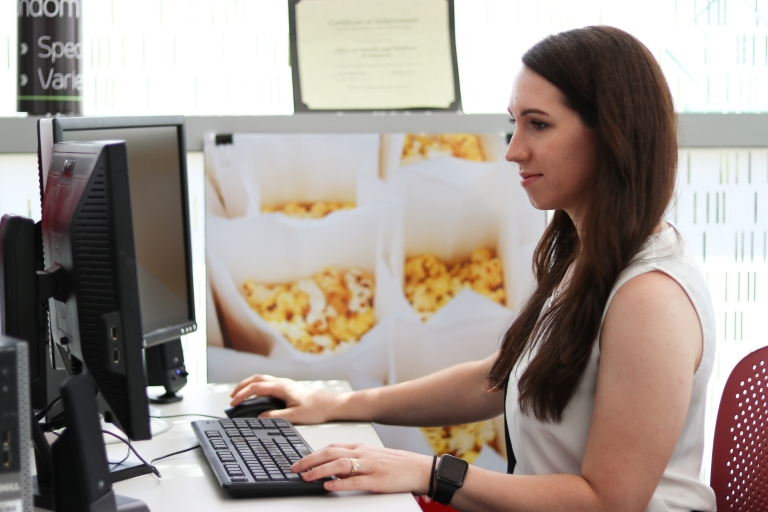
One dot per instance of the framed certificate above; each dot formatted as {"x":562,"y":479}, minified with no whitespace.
{"x":373,"y":55}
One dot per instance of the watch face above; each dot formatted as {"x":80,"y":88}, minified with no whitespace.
{"x":452,"y":469}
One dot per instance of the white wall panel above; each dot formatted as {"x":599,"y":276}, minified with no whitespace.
{"x":718,"y":210}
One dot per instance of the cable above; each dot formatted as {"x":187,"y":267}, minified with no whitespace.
{"x":57,"y":422}
{"x":130,"y":446}
{"x":175,"y":453}
{"x":127,"y":454}
{"x":180,"y":415}
{"x":45,"y":410}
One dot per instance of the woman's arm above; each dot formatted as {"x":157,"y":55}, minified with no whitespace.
{"x":454,"y":395}
{"x":651,"y":344}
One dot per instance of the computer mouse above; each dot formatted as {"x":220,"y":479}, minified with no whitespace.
{"x":252,"y":407}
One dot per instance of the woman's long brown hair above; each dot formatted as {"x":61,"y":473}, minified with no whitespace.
{"x":618,"y":90}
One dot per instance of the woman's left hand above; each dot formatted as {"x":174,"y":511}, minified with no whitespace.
{"x":381,"y":470}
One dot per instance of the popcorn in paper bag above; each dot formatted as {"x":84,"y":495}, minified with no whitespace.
{"x":423,"y":147}
{"x":472,"y":150}
{"x":430,"y":283}
{"x":304,"y":210}
{"x":464,"y":441}
{"x":326,"y":313}
{"x":258,"y":173}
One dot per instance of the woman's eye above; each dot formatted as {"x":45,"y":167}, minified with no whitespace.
{"x":512,"y":120}
{"x":538,"y":125}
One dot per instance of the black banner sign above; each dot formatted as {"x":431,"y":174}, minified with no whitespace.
{"x":50,"y":57}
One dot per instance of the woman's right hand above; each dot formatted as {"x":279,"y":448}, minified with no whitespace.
{"x":303,"y":404}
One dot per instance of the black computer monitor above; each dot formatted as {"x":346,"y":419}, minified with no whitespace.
{"x":18,"y":297}
{"x":157,"y":167}
{"x":91,"y":276}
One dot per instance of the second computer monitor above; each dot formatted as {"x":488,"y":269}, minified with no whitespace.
{"x":160,"y":204}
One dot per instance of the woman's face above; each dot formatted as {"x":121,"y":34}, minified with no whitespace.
{"x":556,"y":152}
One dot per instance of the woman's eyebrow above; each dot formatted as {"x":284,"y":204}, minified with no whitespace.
{"x":530,"y":111}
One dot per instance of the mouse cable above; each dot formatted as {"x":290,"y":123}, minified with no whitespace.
{"x":128,"y":442}
{"x":175,"y":453}
{"x":180,"y":415}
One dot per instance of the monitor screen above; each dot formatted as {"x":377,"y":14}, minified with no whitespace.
{"x":159,"y":201}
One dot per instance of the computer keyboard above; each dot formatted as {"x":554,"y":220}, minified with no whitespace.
{"x":253,"y":457}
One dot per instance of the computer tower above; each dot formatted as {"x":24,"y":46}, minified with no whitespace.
{"x":15,"y":427}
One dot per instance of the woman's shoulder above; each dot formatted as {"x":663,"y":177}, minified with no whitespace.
{"x":655,"y":304}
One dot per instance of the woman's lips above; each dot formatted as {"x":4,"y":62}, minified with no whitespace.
{"x":527,"y":179}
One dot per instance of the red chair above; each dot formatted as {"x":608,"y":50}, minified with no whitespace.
{"x":427,"y":505}
{"x":740,"y":448}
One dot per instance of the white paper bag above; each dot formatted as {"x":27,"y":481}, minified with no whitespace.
{"x":452,"y":208}
{"x":274,"y":169}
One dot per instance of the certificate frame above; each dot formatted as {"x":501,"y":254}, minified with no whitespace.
{"x":301,"y":107}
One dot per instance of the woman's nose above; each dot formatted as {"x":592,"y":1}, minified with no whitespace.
{"x":516,"y":150}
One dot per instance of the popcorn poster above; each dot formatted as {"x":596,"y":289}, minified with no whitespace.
{"x":376,"y":258}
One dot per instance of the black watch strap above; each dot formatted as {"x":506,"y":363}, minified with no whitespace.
{"x":444,"y":492}
{"x":446,"y":487}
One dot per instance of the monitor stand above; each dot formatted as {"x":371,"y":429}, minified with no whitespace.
{"x":169,"y":397}
{"x":54,"y":464}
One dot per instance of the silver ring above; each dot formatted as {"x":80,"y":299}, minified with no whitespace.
{"x":355,"y":466}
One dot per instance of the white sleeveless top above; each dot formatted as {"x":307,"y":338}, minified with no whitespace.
{"x":550,"y":448}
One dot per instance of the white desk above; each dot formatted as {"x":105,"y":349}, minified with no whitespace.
{"x":189,"y":485}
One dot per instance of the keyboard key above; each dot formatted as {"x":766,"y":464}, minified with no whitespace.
{"x":239,"y":479}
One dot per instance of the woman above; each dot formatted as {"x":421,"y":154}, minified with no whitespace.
{"x":602,"y":376}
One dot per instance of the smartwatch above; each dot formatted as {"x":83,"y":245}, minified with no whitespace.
{"x":449,"y":477}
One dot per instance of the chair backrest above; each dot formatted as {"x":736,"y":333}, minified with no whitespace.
{"x":740,"y":448}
